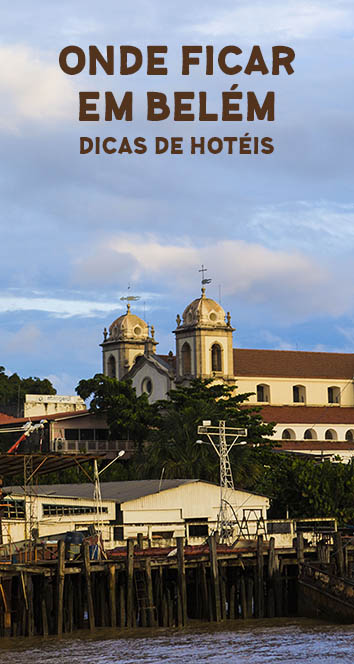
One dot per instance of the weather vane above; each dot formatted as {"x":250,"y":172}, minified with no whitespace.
{"x":204,"y":281}
{"x":130,"y":298}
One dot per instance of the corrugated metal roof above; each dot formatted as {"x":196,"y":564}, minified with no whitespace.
{"x":120,"y":492}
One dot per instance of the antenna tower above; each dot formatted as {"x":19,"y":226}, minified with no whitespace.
{"x":227,"y":517}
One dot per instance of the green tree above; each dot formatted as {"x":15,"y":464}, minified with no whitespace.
{"x":128,"y":416}
{"x":308,"y":488}
{"x":13,"y":390}
{"x":173,"y":447}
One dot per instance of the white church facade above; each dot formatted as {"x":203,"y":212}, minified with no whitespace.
{"x":310,"y":395}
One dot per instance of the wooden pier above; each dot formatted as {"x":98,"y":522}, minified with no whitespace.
{"x":136,"y":587}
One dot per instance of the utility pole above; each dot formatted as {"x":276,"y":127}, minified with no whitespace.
{"x":227,"y":517}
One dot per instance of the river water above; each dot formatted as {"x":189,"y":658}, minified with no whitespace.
{"x":251,"y":642}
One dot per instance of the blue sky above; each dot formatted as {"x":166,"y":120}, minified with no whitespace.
{"x":276,"y":231}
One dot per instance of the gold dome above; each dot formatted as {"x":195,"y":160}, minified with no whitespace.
{"x":204,"y":311}
{"x":128,"y":326}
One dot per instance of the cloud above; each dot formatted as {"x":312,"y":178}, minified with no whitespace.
{"x":32,"y":89}
{"x":290,"y":283}
{"x":294,"y":19}
{"x":61,"y":308}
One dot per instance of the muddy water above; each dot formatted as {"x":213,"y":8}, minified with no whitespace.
{"x":257,"y":642}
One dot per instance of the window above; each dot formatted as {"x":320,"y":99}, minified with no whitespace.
{"x":333,"y":394}
{"x":87,"y":434}
{"x":101,"y":434}
{"x":50,"y":509}
{"x":146,"y":386}
{"x":216,"y":360}
{"x":330,"y":434}
{"x":198,"y":530}
{"x":263,"y":393}
{"x":299,"y":394}
{"x":12,"y":509}
{"x":349,"y":436}
{"x":310,"y":434}
{"x":186,"y":359}
{"x":288,"y":434}
{"x":71,"y":434}
{"x":111,"y":367}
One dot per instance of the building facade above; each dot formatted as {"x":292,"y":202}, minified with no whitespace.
{"x":309,"y":395}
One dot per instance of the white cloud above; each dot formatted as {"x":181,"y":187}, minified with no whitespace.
{"x":58,"y":307}
{"x":32,"y":88}
{"x":290,"y":19}
{"x":289,"y":282}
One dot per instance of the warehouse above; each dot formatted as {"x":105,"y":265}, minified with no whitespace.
{"x":160,"y":510}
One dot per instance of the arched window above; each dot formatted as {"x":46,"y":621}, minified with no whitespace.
{"x":349,"y":436}
{"x":310,"y":434}
{"x":216,"y":361}
{"x":263,"y":393}
{"x":111,"y":367}
{"x":146,"y":386}
{"x":333,"y":394}
{"x":299,"y":394}
{"x":331,"y":434}
{"x":186,"y":359}
{"x":288,"y":434}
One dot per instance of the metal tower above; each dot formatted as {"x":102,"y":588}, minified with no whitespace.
{"x":227,"y":517}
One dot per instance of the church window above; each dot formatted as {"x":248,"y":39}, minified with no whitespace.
{"x":186,"y":359}
{"x":288,"y":434}
{"x":333,"y":394}
{"x":330,"y":435}
{"x":212,"y":316}
{"x":147,"y":386}
{"x":310,"y":434}
{"x":263,"y":393}
{"x":111,"y":367}
{"x":216,"y":363}
{"x":349,"y":436}
{"x":137,"y":330}
{"x":299,"y":394}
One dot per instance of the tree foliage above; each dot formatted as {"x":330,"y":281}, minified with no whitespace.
{"x":128,"y":416}
{"x":173,"y":448}
{"x":308,"y":488}
{"x":13,"y":390}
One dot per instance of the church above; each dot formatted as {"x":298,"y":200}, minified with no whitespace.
{"x":309,"y":395}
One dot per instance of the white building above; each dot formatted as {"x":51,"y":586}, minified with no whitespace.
{"x":309,"y":395}
{"x":161,"y":511}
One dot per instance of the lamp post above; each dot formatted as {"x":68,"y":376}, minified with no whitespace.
{"x":97,"y":493}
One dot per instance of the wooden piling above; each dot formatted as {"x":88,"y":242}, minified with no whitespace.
{"x":112,"y":595}
{"x":214,"y":570}
{"x":300,"y":547}
{"x":129,"y":582}
{"x":150,"y":610}
{"x":182,"y":579}
{"x":90,"y":607}
{"x":259,"y":581}
{"x":339,"y":554}
{"x":60,"y":585}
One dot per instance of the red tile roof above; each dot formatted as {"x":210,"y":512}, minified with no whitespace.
{"x":293,"y":364}
{"x":6,"y":419}
{"x":308,"y":414}
{"x":325,"y":445}
{"x":38,"y":418}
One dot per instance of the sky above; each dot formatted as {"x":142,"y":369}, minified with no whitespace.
{"x":276,"y":231}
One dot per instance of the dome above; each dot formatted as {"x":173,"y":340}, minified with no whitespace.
{"x":128,"y":326}
{"x":204,"y":311}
